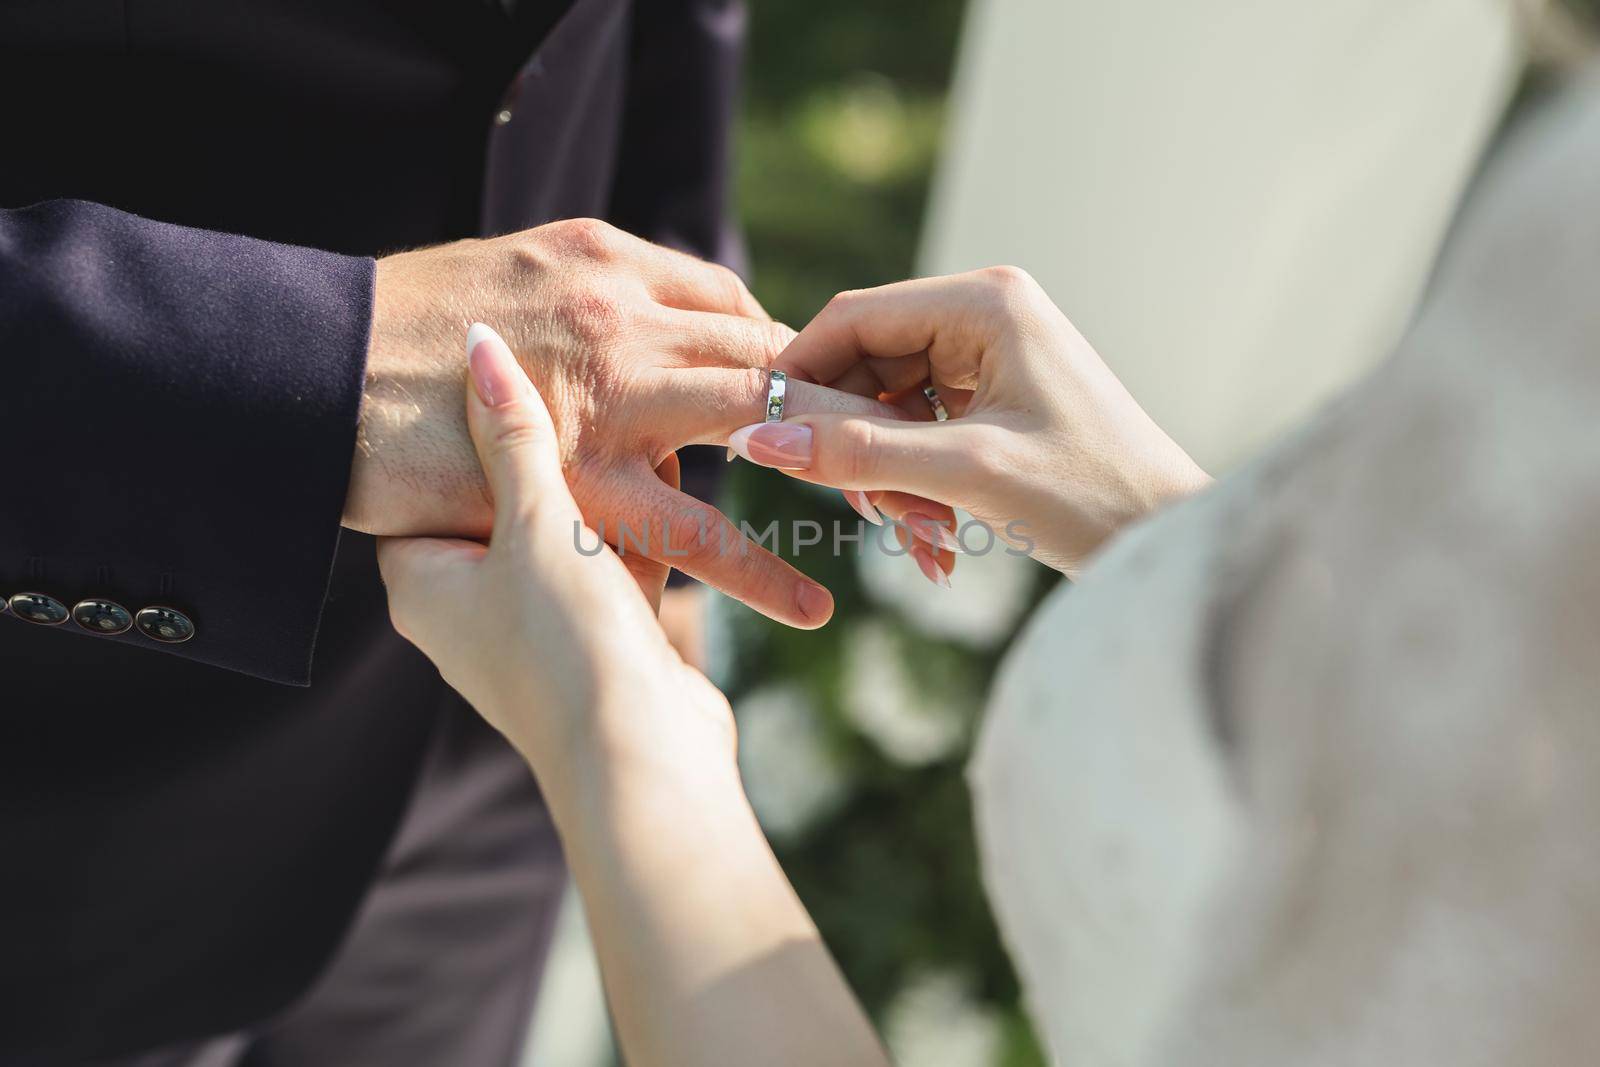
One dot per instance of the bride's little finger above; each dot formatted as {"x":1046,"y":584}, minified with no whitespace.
{"x":934,"y":529}
{"x":935,"y":564}
{"x":873,"y":505}
{"x":931,"y":522}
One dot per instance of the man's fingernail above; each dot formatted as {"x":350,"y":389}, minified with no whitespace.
{"x":815,"y":602}
{"x":932,"y":531}
{"x":495,"y":374}
{"x":930,"y":567}
{"x":774,"y":444}
{"x":863,"y":506}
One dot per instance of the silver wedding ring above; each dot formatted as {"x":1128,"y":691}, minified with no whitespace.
{"x":777,"y":385}
{"x":936,"y":402}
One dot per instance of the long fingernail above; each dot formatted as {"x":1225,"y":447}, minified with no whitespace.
{"x":932,"y":531}
{"x":495,"y":374}
{"x":930,"y":567}
{"x":774,"y":444}
{"x":863,"y":506}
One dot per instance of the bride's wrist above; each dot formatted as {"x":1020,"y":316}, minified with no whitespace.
{"x":1177,"y":478}
{"x":608,"y":777}
{"x":620,"y":737}
{"x":1151,"y":486}
{"x":1073,"y":518}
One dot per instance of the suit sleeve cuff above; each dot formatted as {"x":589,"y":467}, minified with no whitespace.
{"x":193,"y":403}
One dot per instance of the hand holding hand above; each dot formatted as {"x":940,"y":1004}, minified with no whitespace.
{"x":561,"y":651}
{"x":638,"y":351}
{"x":1045,"y":445}
{"x":697,"y":931}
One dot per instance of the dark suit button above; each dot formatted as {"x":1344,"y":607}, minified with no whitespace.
{"x":36,"y":607}
{"x":164,"y":624}
{"x":102,"y":617}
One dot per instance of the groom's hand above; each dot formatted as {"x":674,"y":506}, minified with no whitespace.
{"x":637,"y":350}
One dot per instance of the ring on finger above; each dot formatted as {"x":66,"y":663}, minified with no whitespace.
{"x":777,"y":385}
{"x":936,"y":402}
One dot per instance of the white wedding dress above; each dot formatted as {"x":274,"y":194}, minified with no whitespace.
{"x":1237,"y":201}
{"x":1307,"y":769}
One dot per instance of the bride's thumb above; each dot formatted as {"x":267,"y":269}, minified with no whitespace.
{"x":512,"y":430}
{"x":928,"y":459}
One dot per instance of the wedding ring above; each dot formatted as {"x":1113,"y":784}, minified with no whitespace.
{"x":936,"y":402}
{"x":777,"y":385}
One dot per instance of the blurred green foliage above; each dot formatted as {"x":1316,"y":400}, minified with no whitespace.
{"x":843,"y":110}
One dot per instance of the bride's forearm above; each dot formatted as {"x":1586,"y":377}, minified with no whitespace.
{"x":708,"y":956}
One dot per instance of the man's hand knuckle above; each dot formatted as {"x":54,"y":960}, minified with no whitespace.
{"x":694,"y":531}
{"x":754,"y":389}
{"x":778,"y":337}
{"x":728,"y":286}
{"x":529,"y":257}
{"x":592,"y":318}
{"x":586,"y":238}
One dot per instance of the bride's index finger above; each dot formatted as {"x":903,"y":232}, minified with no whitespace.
{"x":892,"y":321}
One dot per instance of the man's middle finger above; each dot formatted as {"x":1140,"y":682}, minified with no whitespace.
{"x":678,"y":280}
{"x":706,"y":339}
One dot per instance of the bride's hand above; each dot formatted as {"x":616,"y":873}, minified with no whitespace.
{"x":707,"y":954}
{"x":559,"y":649}
{"x":1044,"y":445}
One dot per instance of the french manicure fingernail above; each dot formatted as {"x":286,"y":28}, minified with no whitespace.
{"x":786,"y":446}
{"x":495,"y":374}
{"x":863,"y":506}
{"x":932,"y":531}
{"x":930,"y":567}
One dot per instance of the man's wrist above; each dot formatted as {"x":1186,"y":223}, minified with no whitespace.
{"x":413,"y":470}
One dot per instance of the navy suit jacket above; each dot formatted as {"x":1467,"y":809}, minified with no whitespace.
{"x":190,"y":197}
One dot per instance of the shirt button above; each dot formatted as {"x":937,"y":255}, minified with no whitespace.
{"x":164,"y":624}
{"x":508,"y":100}
{"x":102,"y":617}
{"x":38,"y":608}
